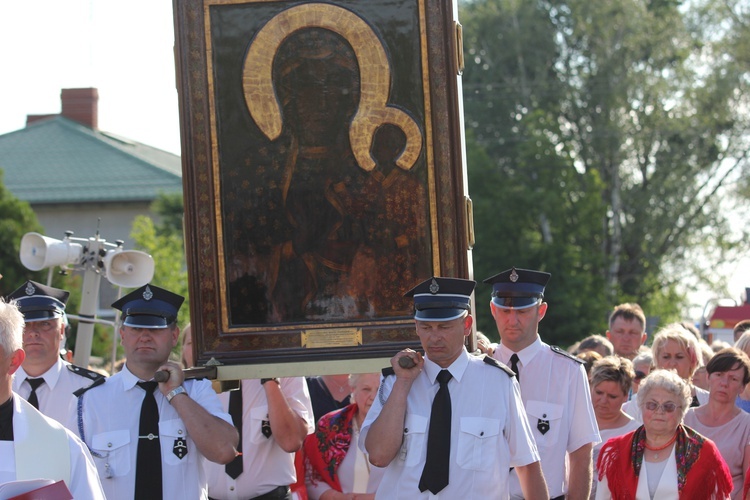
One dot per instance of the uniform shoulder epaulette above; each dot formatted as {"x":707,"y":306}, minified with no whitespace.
{"x":83,"y":372}
{"x":96,"y":383}
{"x":565,"y":353}
{"x":497,"y":364}
{"x":388,"y":371}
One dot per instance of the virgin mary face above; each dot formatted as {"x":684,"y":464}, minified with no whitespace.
{"x":318,"y":85}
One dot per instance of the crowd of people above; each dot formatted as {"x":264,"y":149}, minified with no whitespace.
{"x":607,"y":418}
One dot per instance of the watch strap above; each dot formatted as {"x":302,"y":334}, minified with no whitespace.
{"x":175,"y":392}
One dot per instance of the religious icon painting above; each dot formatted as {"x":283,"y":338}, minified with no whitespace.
{"x":323,"y":170}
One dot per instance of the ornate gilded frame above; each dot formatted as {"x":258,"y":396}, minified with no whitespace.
{"x":293,"y":241}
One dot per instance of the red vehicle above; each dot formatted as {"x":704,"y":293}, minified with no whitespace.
{"x":721,"y":315}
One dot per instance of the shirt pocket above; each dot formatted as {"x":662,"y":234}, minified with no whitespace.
{"x":111,"y":452}
{"x":549,"y":413}
{"x":477,"y":443}
{"x":257,"y":417}
{"x":170,"y":432}
{"x":415,"y":439}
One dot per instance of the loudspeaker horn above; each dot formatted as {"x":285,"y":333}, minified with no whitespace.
{"x":128,"y":268}
{"x":39,"y":252}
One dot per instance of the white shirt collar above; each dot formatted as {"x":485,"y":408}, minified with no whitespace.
{"x":50,"y":377}
{"x":457,"y":368}
{"x":526,"y":354}
{"x":128,"y":379}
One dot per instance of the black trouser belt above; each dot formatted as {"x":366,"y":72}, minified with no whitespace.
{"x":278,"y":493}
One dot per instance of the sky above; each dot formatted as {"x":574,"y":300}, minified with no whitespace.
{"x":125,"y":50}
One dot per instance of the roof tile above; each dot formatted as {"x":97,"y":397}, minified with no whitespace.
{"x":61,"y":161}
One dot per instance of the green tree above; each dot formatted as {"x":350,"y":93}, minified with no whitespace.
{"x":163,"y":240}
{"x":606,"y":134}
{"x":16,"y":219}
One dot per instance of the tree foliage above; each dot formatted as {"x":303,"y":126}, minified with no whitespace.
{"x":164,"y":241}
{"x":16,"y":219}
{"x":602,"y":137}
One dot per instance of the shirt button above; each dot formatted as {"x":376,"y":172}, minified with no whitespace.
{"x":179,"y":432}
{"x":481,"y":433}
{"x":109,"y":445}
{"x":406,"y":430}
{"x":231,"y":488}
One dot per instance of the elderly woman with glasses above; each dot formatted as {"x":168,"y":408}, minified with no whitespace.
{"x":662,"y":459}
{"x":337,"y":468}
{"x":720,"y":420}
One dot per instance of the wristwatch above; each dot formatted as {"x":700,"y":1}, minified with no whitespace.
{"x":264,"y":380}
{"x":174,"y":392}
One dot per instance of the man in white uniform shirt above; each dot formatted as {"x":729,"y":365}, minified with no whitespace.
{"x":44,"y":379}
{"x":554,"y":387}
{"x":453,"y":424}
{"x":276,"y":417}
{"x":32,"y":446}
{"x":149,"y":439}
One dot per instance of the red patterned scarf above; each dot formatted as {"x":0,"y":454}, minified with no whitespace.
{"x":701,"y":472}
{"x":327,"y":447}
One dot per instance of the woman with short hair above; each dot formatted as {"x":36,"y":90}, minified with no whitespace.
{"x":610,"y":380}
{"x":676,"y":349}
{"x":721,"y":420}
{"x":662,"y":459}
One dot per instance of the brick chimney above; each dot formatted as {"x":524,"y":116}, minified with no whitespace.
{"x":81,"y":105}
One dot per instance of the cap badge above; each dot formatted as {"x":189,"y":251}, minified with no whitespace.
{"x":30,"y":289}
{"x":148,"y":294}
{"x":434,"y":287}
{"x":514,"y":275}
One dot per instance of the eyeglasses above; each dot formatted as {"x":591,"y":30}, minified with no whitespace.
{"x":41,"y":326}
{"x":668,"y":407}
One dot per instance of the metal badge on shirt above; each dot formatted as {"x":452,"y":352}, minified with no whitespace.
{"x":180,"y":448}
{"x":265,"y":427}
{"x":543,"y":425}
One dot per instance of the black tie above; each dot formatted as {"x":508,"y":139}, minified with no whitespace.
{"x":34,"y":383}
{"x":514,"y":366}
{"x":234,"y":468}
{"x":436,"y":467}
{"x":148,"y":459}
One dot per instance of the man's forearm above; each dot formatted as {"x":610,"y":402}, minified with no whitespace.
{"x":386,"y":433}
{"x":581,"y":473}
{"x":215,"y":439}
{"x":532,"y":481}
{"x":288,"y":428}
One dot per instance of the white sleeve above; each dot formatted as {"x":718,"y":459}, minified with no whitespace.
{"x":202,"y":392}
{"x":298,"y":397}
{"x":523,"y":450}
{"x":584,"y":428}
{"x":84,"y":478}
